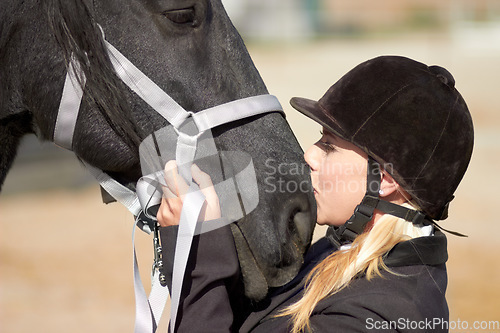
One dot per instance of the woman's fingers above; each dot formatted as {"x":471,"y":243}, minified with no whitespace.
{"x":212,"y":206}
{"x":170,"y":209}
{"x":167,"y":193}
{"x":175,"y":183}
{"x":169,"y":212}
{"x":204,"y":181}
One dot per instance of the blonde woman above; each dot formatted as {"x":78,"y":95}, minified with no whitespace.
{"x":397,"y":139}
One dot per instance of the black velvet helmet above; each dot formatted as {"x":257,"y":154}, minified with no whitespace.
{"x":409,"y":118}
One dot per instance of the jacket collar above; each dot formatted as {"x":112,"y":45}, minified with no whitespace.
{"x":430,"y":250}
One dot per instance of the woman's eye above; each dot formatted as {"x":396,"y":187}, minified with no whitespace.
{"x":327,"y":147}
{"x":181,"y":16}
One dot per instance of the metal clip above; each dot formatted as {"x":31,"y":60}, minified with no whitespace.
{"x":158,"y":262}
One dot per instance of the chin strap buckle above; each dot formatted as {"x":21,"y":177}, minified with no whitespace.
{"x":346,"y":233}
{"x":363,"y":213}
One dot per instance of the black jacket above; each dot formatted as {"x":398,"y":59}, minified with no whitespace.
{"x":412,"y":300}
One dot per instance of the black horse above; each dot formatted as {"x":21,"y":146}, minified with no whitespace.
{"x":191,"y":50}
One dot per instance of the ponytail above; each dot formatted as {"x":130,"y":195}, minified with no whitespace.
{"x":335,"y":272}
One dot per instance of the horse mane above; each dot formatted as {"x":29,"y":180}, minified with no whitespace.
{"x":80,"y":37}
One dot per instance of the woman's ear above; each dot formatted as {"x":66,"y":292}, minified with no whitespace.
{"x":388,"y":185}
{"x":391,"y":191}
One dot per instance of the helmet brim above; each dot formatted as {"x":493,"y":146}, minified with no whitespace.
{"x":312,"y":109}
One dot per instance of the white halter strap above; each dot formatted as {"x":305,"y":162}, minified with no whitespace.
{"x":148,"y":311}
{"x":160,"y":101}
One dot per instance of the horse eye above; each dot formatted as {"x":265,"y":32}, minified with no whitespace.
{"x":181,"y":16}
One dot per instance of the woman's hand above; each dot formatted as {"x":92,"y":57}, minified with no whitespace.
{"x":176,"y":190}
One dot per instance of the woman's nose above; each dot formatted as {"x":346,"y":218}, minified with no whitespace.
{"x":311,"y":157}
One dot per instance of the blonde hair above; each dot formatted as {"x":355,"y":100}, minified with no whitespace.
{"x":336,"y":271}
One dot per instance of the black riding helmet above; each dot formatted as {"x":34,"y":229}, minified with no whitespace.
{"x":409,"y":118}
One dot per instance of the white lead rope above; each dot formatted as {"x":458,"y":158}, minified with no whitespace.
{"x":149,"y":310}
{"x":191,"y":209}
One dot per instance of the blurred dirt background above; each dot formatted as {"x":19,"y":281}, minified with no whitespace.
{"x":66,"y":258}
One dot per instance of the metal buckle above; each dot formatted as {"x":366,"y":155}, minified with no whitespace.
{"x":414,"y":216}
{"x":363,"y":213}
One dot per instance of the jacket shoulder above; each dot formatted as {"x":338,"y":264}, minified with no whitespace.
{"x":410,"y":294}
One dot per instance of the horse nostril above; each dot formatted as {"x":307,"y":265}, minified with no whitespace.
{"x":302,"y":222}
{"x":300,"y":218}
{"x":293,"y":231}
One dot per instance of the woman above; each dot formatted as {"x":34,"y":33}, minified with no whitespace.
{"x":397,"y":139}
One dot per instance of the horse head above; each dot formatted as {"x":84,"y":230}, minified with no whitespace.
{"x":191,"y":50}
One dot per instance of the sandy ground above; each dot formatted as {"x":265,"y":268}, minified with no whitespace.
{"x":66,"y":259}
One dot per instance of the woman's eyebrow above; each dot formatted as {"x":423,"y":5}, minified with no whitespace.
{"x":327,"y":133}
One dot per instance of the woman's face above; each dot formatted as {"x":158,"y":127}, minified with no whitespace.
{"x":338,"y":174}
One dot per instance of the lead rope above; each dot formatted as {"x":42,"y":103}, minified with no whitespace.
{"x":149,"y":310}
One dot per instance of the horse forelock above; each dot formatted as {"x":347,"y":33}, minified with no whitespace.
{"x":80,"y":37}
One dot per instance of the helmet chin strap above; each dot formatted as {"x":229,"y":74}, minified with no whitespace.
{"x":363,"y":213}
